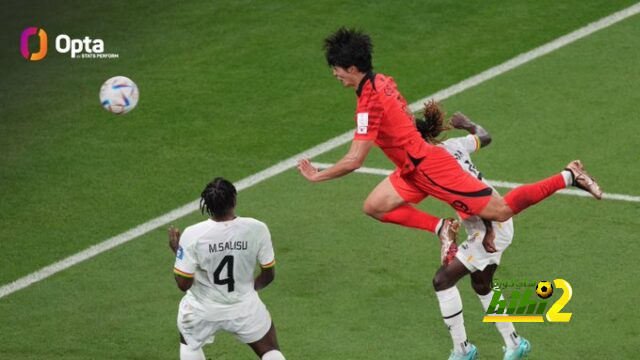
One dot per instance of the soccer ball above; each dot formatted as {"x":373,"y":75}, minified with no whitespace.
{"x":119,"y":95}
{"x":544,"y":289}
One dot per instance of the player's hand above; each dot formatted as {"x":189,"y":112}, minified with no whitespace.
{"x":174,"y":238}
{"x":487,"y":242}
{"x":460,"y":121}
{"x":307,"y":170}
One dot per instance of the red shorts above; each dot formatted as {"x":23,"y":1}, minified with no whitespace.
{"x":440,"y":175}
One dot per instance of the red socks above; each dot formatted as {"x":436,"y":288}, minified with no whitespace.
{"x":409,"y":216}
{"x":524,"y":196}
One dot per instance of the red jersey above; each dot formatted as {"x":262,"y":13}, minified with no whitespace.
{"x":423,"y":169}
{"x":381,"y":116}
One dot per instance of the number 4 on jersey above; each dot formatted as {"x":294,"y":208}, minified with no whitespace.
{"x":226,"y":261}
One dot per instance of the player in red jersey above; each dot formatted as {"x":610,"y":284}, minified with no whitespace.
{"x":422,"y":169}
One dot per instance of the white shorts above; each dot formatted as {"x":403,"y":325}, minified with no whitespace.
{"x":472,"y":254}
{"x":199,"y":330}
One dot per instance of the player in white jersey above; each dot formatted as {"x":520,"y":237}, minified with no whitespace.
{"x":480,"y":254}
{"x":215,"y":263}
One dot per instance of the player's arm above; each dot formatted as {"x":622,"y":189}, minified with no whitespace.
{"x":461,"y":121}
{"x":183,"y":283}
{"x":489,"y":237}
{"x":266,"y":258}
{"x":266,"y":276}
{"x":350,"y":162}
{"x":183,"y":280}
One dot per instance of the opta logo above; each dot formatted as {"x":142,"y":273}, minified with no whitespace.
{"x":86,"y":48}
{"x":24,"y":44}
{"x":65,"y":44}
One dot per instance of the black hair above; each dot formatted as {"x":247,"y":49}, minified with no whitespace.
{"x":348,"y":47}
{"x":218,"y":198}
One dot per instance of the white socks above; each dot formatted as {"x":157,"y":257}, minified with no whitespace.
{"x":506,"y":329}
{"x":188,"y":354}
{"x":451,"y":309}
{"x":273,"y":355}
{"x":568,"y":177}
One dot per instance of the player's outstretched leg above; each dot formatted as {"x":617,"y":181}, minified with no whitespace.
{"x":451,"y":308}
{"x":445,"y":229}
{"x":582,"y":180}
{"x":267,"y":348}
{"x":522,"y":197}
{"x":385,"y":204}
{"x":409,"y":216}
{"x":516,"y":347}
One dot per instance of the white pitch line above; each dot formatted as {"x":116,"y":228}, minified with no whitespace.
{"x":500,"y":184}
{"x":315,"y":151}
{"x":530,"y":55}
{"x":142,"y":229}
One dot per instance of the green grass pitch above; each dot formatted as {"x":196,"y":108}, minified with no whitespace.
{"x":230,"y":88}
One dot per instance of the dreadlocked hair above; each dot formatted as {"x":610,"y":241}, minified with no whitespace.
{"x":218,"y":198}
{"x":433,"y":123}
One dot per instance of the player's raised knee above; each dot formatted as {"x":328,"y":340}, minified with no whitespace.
{"x":497,"y":210}
{"x":273,"y":355}
{"x":504,"y":215}
{"x":370,"y":209}
{"x":440,"y":281}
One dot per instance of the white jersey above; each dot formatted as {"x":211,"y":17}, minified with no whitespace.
{"x":222,"y":258}
{"x":461,"y":148}
{"x":471,"y":252}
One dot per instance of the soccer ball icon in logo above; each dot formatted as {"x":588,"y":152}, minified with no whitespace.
{"x":544,"y":289}
{"x":119,"y":95}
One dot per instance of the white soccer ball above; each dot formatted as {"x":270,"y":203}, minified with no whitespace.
{"x":119,"y":95}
